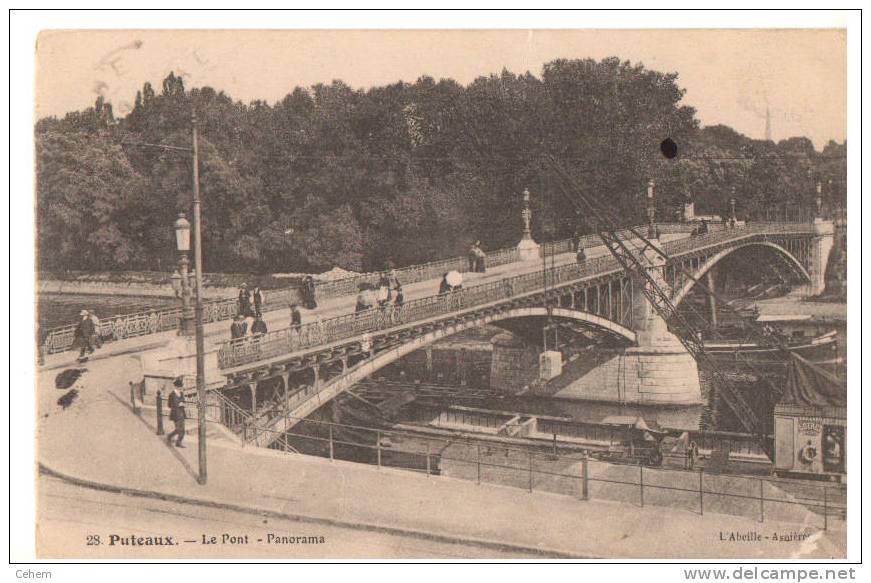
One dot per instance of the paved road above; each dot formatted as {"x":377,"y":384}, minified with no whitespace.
{"x":69,"y":514}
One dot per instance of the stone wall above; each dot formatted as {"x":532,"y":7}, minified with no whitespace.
{"x":514,"y":364}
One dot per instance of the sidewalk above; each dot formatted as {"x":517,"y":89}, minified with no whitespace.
{"x":99,"y":440}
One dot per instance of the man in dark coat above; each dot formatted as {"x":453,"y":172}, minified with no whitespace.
{"x":176,"y":413}
{"x":480,"y":258}
{"x":295,"y":317}
{"x":308,"y":293}
{"x":258,"y":301}
{"x":84,"y":335}
{"x":244,"y":300}
{"x":259,"y":326}
{"x":239,"y":327}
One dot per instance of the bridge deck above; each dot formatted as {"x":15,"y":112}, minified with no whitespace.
{"x":428,"y":289}
{"x":285,"y":344}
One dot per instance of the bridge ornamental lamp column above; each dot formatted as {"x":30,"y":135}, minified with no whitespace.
{"x":527,"y":249}
{"x":526,"y":215}
{"x":651,"y":227}
{"x":732,"y":208}
{"x":181,"y":279}
{"x":819,"y":199}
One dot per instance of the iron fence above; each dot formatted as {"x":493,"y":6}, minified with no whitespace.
{"x":561,"y":468}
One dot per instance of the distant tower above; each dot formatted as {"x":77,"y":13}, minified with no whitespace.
{"x":767,"y":123}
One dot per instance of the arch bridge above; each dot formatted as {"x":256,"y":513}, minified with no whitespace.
{"x":332,"y":355}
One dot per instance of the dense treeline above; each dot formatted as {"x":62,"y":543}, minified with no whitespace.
{"x":399,"y":174}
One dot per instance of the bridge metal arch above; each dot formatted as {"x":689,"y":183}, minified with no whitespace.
{"x":366,"y":368}
{"x":449,"y":329}
{"x":710,"y":262}
{"x":395,"y":353}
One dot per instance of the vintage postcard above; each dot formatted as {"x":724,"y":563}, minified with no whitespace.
{"x":441,"y":294}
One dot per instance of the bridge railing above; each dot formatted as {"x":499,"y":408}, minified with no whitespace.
{"x":724,"y":235}
{"x":246,"y":350}
{"x":121,"y":326}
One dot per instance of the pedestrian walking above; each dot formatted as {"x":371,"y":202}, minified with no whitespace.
{"x":244,"y":300}
{"x":581,"y":256}
{"x":473,"y":258}
{"x":98,"y":337}
{"x":444,"y":286}
{"x":239,"y":327}
{"x":258,"y":327}
{"x":308,"y":293}
{"x":176,"y":412}
{"x":83,"y":335}
{"x":692,"y":455}
{"x":384,"y":292}
{"x":365,"y":298}
{"x":480,"y":258}
{"x":295,"y":317}
{"x":258,"y":301}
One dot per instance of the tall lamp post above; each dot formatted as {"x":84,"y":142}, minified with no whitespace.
{"x":198,"y":308}
{"x":819,"y":199}
{"x":527,"y":248}
{"x":651,"y":210}
{"x":181,"y":278}
{"x":181,"y":282}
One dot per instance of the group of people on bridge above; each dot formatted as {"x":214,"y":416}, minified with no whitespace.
{"x":477,"y":258}
{"x":250,"y":305}
{"x":387,"y":293}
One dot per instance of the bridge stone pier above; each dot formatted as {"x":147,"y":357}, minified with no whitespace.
{"x":657,"y":370}
{"x":821,"y":243}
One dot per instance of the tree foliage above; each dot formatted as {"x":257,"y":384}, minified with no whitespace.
{"x":397,"y":174}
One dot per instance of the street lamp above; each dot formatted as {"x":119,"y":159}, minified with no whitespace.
{"x":526,"y":215}
{"x":651,"y":228}
{"x":819,"y":199}
{"x":181,"y":282}
{"x":732,"y":207}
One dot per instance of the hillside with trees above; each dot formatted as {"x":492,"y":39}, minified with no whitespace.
{"x":397,"y":174}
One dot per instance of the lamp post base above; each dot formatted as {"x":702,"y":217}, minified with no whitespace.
{"x":528,"y":250}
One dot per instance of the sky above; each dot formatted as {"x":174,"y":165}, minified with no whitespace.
{"x":730,"y":76}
